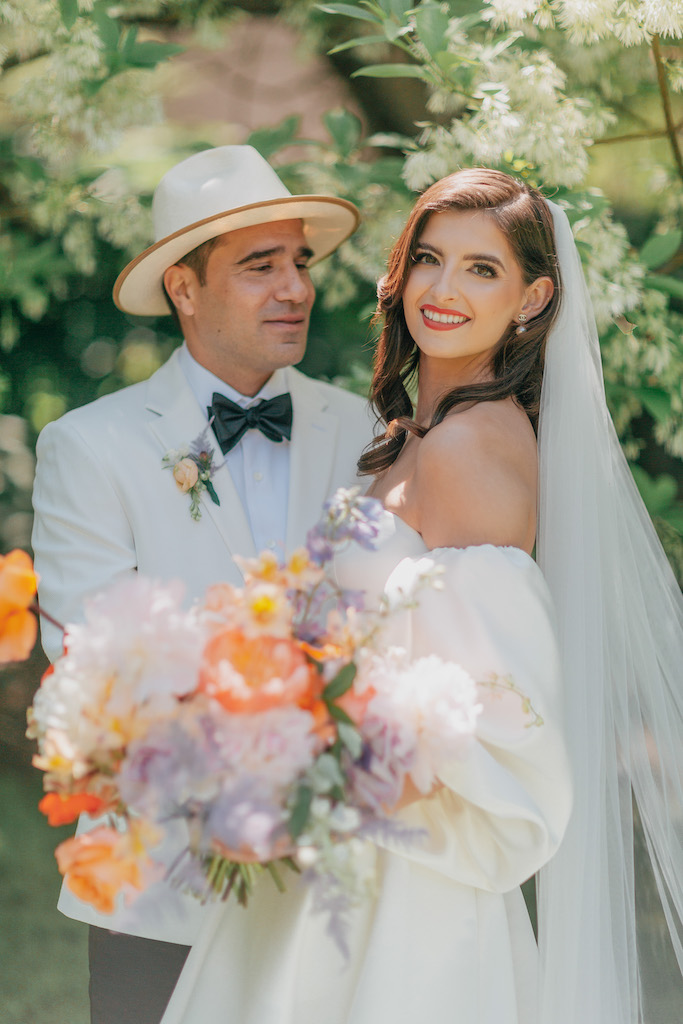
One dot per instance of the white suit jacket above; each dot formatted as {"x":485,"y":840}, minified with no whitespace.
{"x":105,"y":506}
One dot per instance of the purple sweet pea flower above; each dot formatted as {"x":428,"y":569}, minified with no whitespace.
{"x":246,"y":814}
{"x":347,"y":516}
{"x":174,"y":765}
{"x":377,"y":778}
{"x":320,"y":548}
{"x":351,"y":599}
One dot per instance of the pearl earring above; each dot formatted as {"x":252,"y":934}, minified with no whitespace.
{"x":522,"y":320}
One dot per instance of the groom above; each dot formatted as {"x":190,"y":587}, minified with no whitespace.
{"x":231,"y":262}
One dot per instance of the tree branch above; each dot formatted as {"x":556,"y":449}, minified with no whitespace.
{"x":656,"y":133}
{"x":666,"y":104}
{"x":13,"y":60}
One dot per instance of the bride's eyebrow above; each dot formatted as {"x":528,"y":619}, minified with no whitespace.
{"x":430,"y":248}
{"x":485,"y":256}
{"x":472,"y":256}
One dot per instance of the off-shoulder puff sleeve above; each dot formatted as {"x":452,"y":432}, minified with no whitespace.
{"x":503,"y":808}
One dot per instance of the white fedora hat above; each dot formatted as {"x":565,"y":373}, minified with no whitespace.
{"x":216,"y":191}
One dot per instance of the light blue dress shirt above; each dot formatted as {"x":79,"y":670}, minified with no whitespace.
{"x":259,"y":468}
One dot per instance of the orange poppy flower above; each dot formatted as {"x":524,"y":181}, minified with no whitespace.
{"x":249,"y":674}
{"x":18,"y":626}
{"x":62,"y":809}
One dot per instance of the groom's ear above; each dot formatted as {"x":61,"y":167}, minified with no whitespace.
{"x":182,"y":287}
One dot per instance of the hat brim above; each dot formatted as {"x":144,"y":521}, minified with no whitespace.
{"x":327,"y":222}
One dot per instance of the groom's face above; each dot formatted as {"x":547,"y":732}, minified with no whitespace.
{"x":251,"y":315}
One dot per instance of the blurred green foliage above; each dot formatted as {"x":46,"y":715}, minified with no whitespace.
{"x":77,"y":75}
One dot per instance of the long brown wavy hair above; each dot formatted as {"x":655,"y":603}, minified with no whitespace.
{"x":524,"y":217}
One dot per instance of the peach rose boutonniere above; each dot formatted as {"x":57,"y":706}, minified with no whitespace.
{"x":192,"y":467}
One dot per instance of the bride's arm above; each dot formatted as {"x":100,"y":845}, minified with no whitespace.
{"x":501,"y":810}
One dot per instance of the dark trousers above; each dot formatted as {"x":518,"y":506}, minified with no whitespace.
{"x":131,"y":979}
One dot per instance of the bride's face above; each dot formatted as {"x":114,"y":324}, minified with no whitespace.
{"x":464,"y":290}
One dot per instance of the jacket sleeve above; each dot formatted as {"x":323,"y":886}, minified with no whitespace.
{"x":82,"y":539}
{"x":503,"y":807}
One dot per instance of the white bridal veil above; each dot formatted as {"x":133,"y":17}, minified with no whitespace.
{"x":620,"y":619}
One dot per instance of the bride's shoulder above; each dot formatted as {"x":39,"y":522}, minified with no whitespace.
{"x":476,"y":478}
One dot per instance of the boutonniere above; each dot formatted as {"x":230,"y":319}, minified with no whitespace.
{"x":193,"y":467}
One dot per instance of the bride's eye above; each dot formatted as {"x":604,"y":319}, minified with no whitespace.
{"x":425,"y":257}
{"x":484,"y":270}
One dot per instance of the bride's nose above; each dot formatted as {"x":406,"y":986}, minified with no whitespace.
{"x":445,"y":287}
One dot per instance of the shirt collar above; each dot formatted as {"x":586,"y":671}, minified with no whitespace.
{"x":203,"y":383}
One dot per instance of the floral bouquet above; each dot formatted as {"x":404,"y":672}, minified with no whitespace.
{"x":266,"y":719}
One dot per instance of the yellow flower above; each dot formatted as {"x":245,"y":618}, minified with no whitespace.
{"x":266,"y":567}
{"x":267,"y":609}
{"x":301,"y":571}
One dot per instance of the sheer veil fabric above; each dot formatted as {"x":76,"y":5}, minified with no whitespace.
{"x":620,"y":621}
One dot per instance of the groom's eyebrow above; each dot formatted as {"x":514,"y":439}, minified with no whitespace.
{"x":276,"y":250}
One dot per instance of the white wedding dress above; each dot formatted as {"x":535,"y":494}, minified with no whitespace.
{"x":447,"y":938}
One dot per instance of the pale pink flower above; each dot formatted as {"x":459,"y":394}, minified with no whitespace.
{"x":137,"y":651}
{"x":275,"y":745}
{"x":432,"y":704}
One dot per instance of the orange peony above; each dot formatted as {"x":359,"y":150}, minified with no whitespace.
{"x":62,"y":809}
{"x":355,"y":704}
{"x":97,"y":866}
{"x":248,"y":674}
{"x":18,"y":626}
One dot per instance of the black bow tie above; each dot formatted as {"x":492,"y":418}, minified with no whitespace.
{"x":273,"y":417}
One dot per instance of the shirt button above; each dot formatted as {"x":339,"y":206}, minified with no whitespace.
{"x":258,"y":477}
{"x":271,"y":544}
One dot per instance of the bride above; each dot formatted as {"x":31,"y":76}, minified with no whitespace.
{"x":485,"y":306}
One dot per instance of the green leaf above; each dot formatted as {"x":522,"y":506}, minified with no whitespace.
{"x":659,"y":249}
{"x":129,"y":41}
{"x":342,"y":682}
{"x":431,"y":22}
{"x":657,"y":401}
{"x":269,"y":140}
{"x":108,"y":28}
{"x":392,"y":32}
{"x":148,"y":54}
{"x":396,"y":8}
{"x":358,"y":41}
{"x":300,"y":811}
{"x":669,"y":285}
{"x":69,"y":12}
{"x":447,"y":61}
{"x":391,"y":71}
{"x":349,"y":11}
{"x":674,"y":517}
{"x":326,"y":774}
{"x":339,"y":714}
{"x":658,"y":494}
{"x":351,"y":739}
{"x":211,"y":490}
{"x":345,"y":129}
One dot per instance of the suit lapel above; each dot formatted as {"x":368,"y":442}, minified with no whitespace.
{"x":177,"y":421}
{"x":314,"y":439}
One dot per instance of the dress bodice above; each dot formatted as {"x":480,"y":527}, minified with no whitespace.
{"x":357,"y":568}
